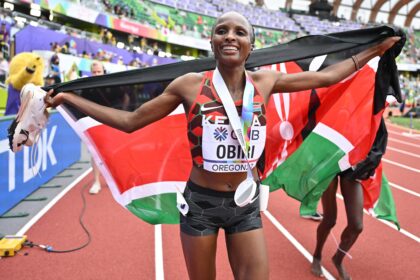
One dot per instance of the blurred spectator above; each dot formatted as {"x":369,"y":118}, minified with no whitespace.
{"x":4,"y":40}
{"x":96,"y":69}
{"x":55,"y":47}
{"x":65,"y":48}
{"x":85,"y":55}
{"x":4,"y":68}
{"x":106,"y":98}
{"x":108,"y":37}
{"x":4,"y":34}
{"x":49,"y":80}
{"x":55,"y":68}
{"x":144,"y":45}
{"x":120,"y":60}
{"x":130,"y":41}
{"x":117,"y":10}
{"x":102,"y":35}
{"x":156,"y":48}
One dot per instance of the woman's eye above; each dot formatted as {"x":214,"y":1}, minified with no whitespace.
{"x":220,"y":31}
{"x":241,"y":33}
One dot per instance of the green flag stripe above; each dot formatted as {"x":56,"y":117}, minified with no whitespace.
{"x":147,"y":190}
{"x":306,"y":174}
{"x":385,"y":206}
{"x":156,"y":209}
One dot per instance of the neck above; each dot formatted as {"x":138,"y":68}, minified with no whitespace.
{"x":234,"y":78}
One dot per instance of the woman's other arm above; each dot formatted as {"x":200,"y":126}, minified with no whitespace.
{"x":147,"y":113}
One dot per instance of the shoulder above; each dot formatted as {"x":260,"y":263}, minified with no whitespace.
{"x":264,"y":76}
{"x":190,"y":78}
{"x":186,"y":85}
{"x":264,"y":80}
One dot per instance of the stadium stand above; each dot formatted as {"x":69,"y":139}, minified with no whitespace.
{"x":186,"y":18}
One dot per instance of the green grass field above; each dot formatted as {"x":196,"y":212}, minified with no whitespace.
{"x":3,"y":99}
{"x":405,"y":122}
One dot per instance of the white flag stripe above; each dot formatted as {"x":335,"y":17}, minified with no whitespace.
{"x":317,"y":62}
{"x":333,"y":136}
{"x":286,"y":98}
{"x":146,"y":190}
{"x":86,"y":123}
{"x":277,"y":103}
{"x":283,"y":68}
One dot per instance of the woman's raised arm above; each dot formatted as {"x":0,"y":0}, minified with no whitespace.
{"x":331,"y":74}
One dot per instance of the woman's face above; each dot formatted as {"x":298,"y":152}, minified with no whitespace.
{"x":231,"y":40}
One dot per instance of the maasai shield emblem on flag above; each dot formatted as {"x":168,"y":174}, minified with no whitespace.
{"x":311,"y":135}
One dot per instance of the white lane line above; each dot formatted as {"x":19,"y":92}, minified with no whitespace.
{"x":404,"y":189}
{"x":403,"y":152}
{"x":391,"y":225}
{"x":401,"y":165}
{"x":295,"y":243}
{"x":403,"y":142}
{"x":47,"y":207}
{"x":159,"y":253}
{"x":409,"y":133}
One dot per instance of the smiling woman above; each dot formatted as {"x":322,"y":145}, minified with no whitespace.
{"x":225,"y":110}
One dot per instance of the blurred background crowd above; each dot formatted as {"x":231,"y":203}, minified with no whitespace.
{"x":129,"y":34}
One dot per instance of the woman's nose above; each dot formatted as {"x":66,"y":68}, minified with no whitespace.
{"x":230,"y":36}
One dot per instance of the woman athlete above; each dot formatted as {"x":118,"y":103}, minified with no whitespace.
{"x":210,"y":189}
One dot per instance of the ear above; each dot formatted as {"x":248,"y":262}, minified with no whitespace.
{"x":252,"y":47}
{"x":211,"y":45}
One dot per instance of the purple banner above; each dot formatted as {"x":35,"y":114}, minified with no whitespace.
{"x":38,"y":38}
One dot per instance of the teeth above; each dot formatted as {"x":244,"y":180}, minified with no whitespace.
{"x":230,"y":48}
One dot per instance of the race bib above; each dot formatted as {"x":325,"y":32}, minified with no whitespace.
{"x":221,"y":149}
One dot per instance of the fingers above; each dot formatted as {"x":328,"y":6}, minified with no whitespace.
{"x":49,"y":100}
{"x":387,"y":44}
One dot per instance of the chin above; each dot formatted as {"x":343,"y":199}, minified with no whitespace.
{"x":231,"y":60}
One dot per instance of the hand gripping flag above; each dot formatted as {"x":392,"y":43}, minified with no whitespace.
{"x":311,"y":135}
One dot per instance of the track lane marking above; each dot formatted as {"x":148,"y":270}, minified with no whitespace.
{"x":401,"y":165}
{"x":160,"y":275}
{"x":404,"y":189}
{"x":53,"y":201}
{"x":391,"y":225}
{"x":403,"y":142}
{"x":295,"y":243}
{"x":402,"y":130}
{"x":403,"y":152}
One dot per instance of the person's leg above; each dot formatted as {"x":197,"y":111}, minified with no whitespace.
{"x":248,"y":254}
{"x":96,"y":186}
{"x":353,"y":199}
{"x":200,"y":255}
{"x":329,"y":206}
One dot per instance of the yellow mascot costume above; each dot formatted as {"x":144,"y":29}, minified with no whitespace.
{"x":24,"y":68}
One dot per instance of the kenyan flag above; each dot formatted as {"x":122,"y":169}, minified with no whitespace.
{"x":377,"y":195}
{"x":311,"y":135}
{"x":316,"y":134}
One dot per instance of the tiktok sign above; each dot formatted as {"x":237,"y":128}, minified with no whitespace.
{"x":23,"y":172}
